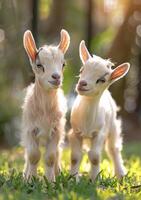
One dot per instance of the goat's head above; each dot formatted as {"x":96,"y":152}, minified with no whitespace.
{"x":96,"y":73}
{"x":48,"y":61}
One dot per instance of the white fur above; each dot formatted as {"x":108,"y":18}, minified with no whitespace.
{"x":44,"y":108}
{"x":94,"y":116}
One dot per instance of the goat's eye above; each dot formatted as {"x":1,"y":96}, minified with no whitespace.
{"x":101,"y":80}
{"x":64,"y":64}
{"x":81,"y":70}
{"x":40,"y":67}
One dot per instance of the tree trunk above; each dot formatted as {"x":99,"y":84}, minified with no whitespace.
{"x":55,"y":21}
{"x":89,"y":22}
{"x":120,"y":50}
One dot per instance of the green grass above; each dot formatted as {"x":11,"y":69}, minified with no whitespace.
{"x":105,"y":187}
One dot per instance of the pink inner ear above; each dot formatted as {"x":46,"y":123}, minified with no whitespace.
{"x":30,"y":46}
{"x":65,"y":40}
{"x":83,"y":51}
{"x":84,"y":54}
{"x":63,"y":44}
{"x":119,"y":71}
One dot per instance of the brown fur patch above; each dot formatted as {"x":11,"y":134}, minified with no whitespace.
{"x":95,"y":161}
{"x":74,"y":161}
{"x":34,"y":157}
{"x":94,"y":158}
{"x":50,"y":160}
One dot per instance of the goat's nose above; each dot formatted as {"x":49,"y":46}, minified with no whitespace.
{"x":82,"y":83}
{"x":55,"y":76}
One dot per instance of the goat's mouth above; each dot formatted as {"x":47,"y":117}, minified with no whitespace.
{"x":56,"y":83}
{"x":82,"y":89}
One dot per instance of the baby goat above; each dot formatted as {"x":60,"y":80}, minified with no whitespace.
{"x":44,"y":107}
{"x":94,"y":114}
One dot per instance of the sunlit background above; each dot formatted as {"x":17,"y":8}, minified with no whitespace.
{"x":111,"y":28}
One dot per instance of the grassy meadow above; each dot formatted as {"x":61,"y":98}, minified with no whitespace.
{"x":13,"y":187}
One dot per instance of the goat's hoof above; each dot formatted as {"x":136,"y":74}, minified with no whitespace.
{"x":28,"y":177}
{"x":77,"y":177}
{"x":121,"y":173}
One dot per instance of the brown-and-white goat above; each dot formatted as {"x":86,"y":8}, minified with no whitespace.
{"x":44,"y":107}
{"x":94,"y":114}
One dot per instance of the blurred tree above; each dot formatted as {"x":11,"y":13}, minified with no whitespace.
{"x":122,"y":45}
{"x":138,"y":107}
{"x":55,"y":19}
{"x":10,"y":55}
{"x":89,"y":22}
{"x":35,"y":7}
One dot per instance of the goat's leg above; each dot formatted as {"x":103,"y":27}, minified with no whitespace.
{"x":57,"y":162}
{"x":26,"y":165}
{"x":114,"y":147}
{"x":51,"y":155}
{"x":76,"y":153}
{"x":32,"y":157}
{"x":94,"y":155}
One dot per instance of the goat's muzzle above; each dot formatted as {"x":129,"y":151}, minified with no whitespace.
{"x":81,"y":86}
{"x":56,"y":82}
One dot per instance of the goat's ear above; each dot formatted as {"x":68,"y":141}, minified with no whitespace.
{"x":29,"y":45}
{"x":83,"y":52}
{"x":65,"y":41}
{"x":120,"y":71}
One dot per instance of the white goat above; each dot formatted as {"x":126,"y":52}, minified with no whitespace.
{"x":44,"y":107}
{"x":94,"y":114}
